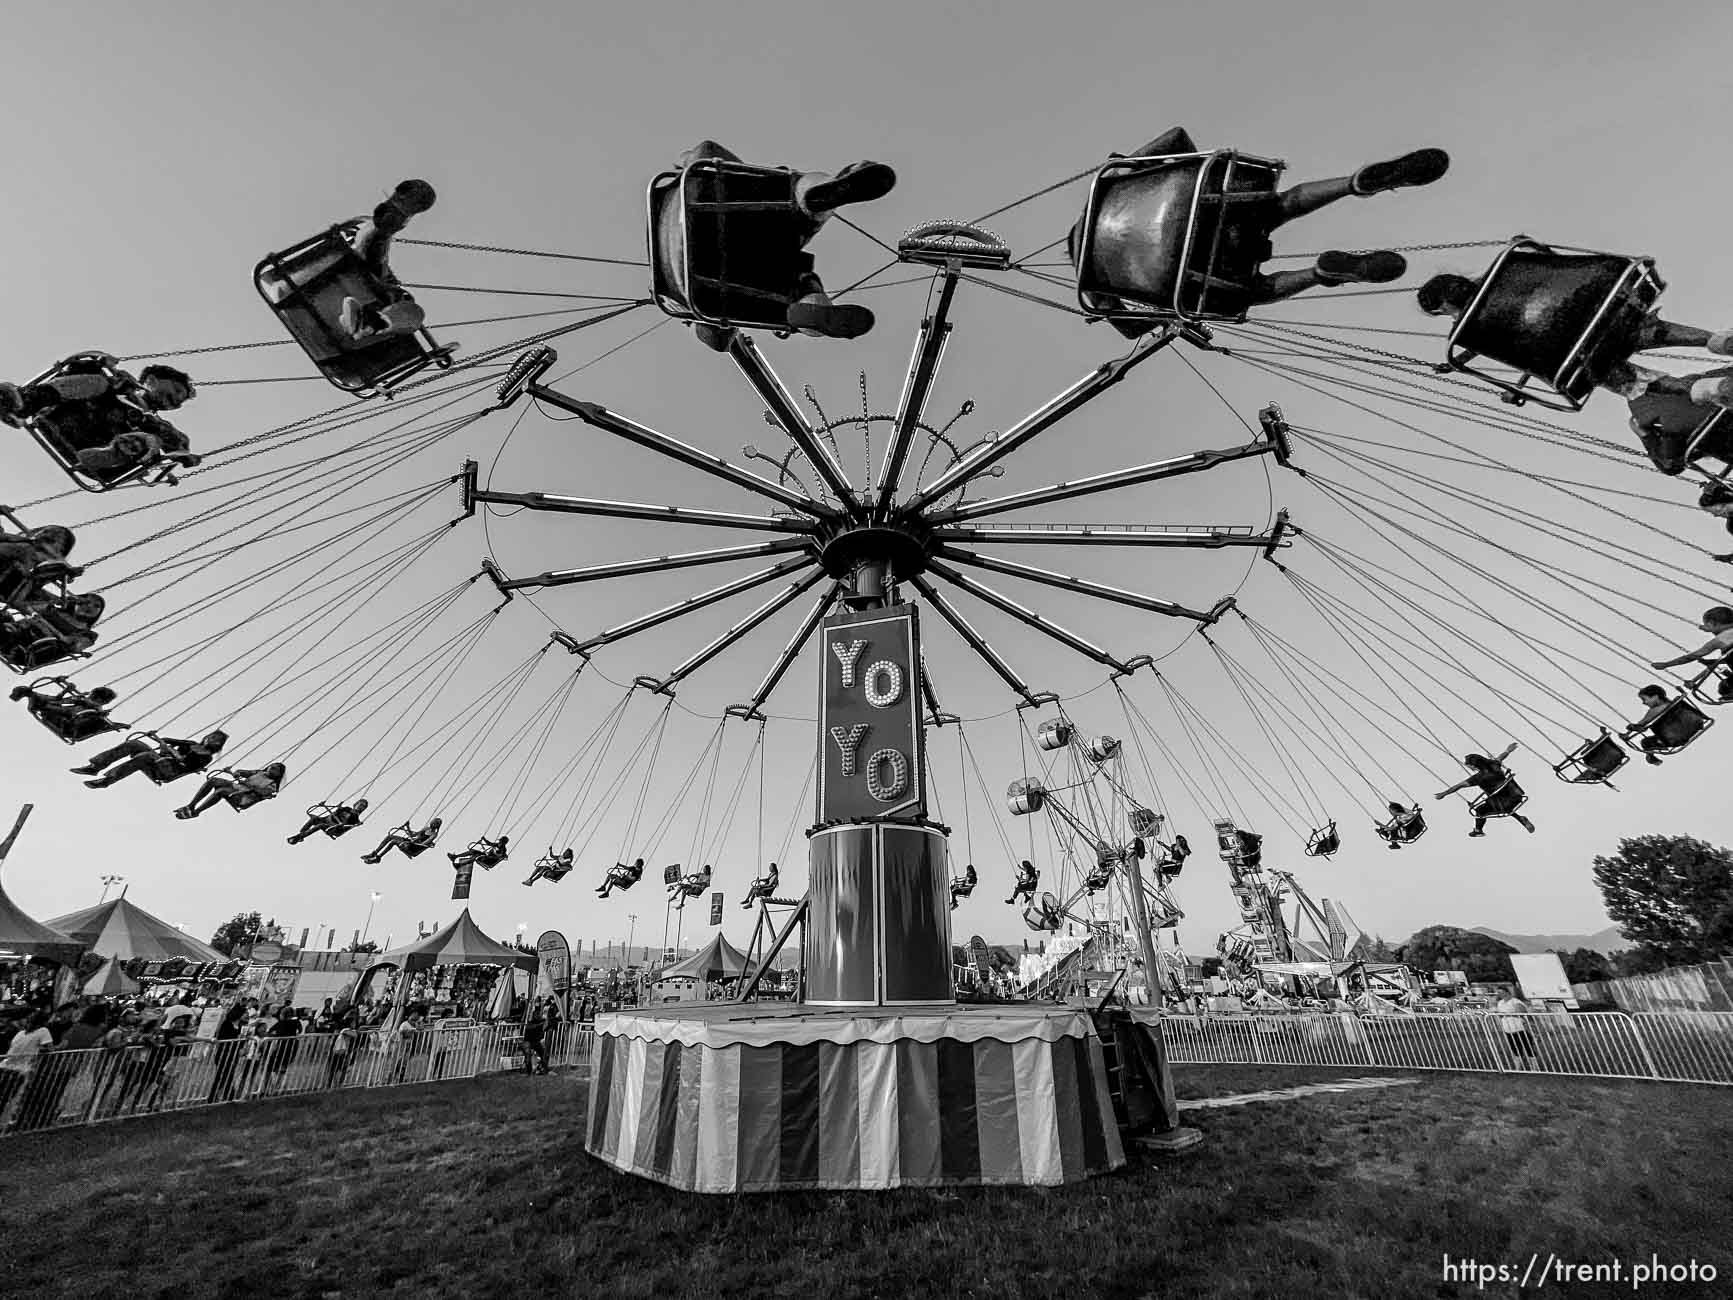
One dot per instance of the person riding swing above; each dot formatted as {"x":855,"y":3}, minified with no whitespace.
{"x":621,"y":876}
{"x":482,"y":852}
{"x":555,"y":867}
{"x":412,"y":843}
{"x":964,"y":885}
{"x":762,"y":886}
{"x":335,"y":820}
{"x":240,"y":788}
{"x":1500,"y":795}
{"x":1028,"y":881}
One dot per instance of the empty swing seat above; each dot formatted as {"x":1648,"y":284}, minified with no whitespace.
{"x":725,"y":242}
{"x":1044,"y":915}
{"x":1676,"y":728}
{"x":1592,"y":762}
{"x":1561,"y":317}
{"x":1176,"y":236}
{"x":306,"y":285}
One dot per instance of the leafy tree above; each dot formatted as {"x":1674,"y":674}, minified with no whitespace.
{"x":235,"y":931}
{"x":1638,"y":961}
{"x":1484,"y":959}
{"x":365,"y":945}
{"x":1672,"y":895}
{"x":1585,"y":966}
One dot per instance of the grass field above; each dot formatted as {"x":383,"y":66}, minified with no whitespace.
{"x":481,"y":1188}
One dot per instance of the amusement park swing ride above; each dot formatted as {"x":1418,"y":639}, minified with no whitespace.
{"x":867,"y":565}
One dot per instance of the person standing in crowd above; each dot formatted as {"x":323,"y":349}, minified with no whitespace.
{"x":282,"y":1053}
{"x":22,"y":1055}
{"x":344,"y":1037}
{"x":228,"y":1049}
{"x":535,"y":1044}
{"x":1512,"y":1011}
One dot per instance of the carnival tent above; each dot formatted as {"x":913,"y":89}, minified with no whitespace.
{"x":716,"y":960}
{"x":27,"y":937}
{"x":124,"y":930}
{"x":109,"y":980}
{"x":460,"y":944}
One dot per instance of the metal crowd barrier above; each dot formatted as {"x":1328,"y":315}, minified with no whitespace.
{"x":1683,"y":1047}
{"x":62,"y":1089}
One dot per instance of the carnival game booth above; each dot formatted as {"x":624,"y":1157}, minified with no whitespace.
{"x":689,"y":981}
{"x":458,"y":965}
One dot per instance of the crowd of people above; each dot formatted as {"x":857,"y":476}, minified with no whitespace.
{"x":136,"y":1055}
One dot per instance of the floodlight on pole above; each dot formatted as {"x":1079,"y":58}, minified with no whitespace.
{"x":365,"y":929}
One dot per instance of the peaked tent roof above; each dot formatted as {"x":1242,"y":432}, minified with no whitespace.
{"x":109,"y":980}
{"x":24,"y":934}
{"x":717,"y":959}
{"x":124,"y":930}
{"x":461,"y":943}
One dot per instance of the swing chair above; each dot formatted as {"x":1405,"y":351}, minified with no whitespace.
{"x":67,"y":428}
{"x":552,"y":866}
{"x":1504,"y":799}
{"x":305,"y":286}
{"x":1561,"y":317}
{"x":1045,"y":915}
{"x":1175,"y":237}
{"x":165,"y":765}
{"x":413,"y":843}
{"x":725,"y":244}
{"x":1324,"y":842}
{"x":1721,"y":674}
{"x":1107,"y":860}
{"x":1705,"y":431}
{"x":1593,"y":761}
{"x":56,"y":631}
{"x":1401,"y":828}
{"x":1676,"y":728}
{"x":69,"y":713}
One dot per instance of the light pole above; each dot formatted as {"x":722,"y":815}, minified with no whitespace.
{"x":631,"y":930}
{"x":372,"y":898}
{"x":108,"y":882}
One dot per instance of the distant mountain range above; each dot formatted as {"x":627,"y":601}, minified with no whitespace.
{"x":1607,"y":941}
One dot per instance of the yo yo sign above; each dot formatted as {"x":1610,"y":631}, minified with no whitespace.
{"x":871,"y":761}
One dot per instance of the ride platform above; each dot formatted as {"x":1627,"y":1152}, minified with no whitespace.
{"x":753,"y":1097}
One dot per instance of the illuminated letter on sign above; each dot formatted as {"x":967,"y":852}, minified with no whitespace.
{"x":846,"y":655}
{"x":885,"y":791}
{"x":883,"y":669}
{"x":848,"y":741}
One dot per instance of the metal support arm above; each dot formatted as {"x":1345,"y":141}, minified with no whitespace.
{"x":637,"y":510}
{"x":929,"y":352}
{"x":601,"y":417}
{"x":657,"y":564}
{"x":1090,"y":386}
{"x":1083,"y":586}
{"x":668,"y":612}
{"x":976,"y":641}
{"x":787,"y":415}
{"x":789,"y":653}
{"x":1022,"y":613}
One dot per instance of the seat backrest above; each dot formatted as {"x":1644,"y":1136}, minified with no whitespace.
{"x":1682,"y":723}
{"x":725,"y":241}
{"x":1537,"y":304}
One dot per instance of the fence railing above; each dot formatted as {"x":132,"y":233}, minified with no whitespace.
{"x":61,"y":1089}
{"x":1680,"y":1047}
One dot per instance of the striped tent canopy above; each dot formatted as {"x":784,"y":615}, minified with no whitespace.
{"x":124,"y":930}
{"x":109,"y":980}
{"x":461,"y":943}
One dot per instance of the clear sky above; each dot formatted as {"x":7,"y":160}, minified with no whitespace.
{"x":156,"y":154}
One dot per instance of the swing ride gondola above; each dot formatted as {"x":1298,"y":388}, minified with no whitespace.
{"x":1369,"y":642}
